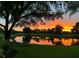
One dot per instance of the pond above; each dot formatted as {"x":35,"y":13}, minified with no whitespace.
{"x":48,"y":41}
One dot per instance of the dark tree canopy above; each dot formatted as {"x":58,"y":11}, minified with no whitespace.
{"x":27,"y":30}
{"x":58,"y":29}
{"x":40,"y":10}
{"x":13,"y":12}
{"x":73,"y":7}
{"x":75,"y":28}
{"x":28,"y":12}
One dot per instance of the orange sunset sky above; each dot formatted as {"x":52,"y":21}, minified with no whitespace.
{"x":51,"y":24}
{"x":67,"y":23}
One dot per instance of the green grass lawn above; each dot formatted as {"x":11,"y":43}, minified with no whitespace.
{"x":46,"y":51}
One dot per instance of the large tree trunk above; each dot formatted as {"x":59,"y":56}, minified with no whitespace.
{"x":8,"y":47}
{"x":7,"y":35}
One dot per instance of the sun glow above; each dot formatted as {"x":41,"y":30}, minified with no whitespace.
{"x":67,"y":28}
{"x":51,"y":24}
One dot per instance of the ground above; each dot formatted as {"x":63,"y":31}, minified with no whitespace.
{"x":46,"y":51}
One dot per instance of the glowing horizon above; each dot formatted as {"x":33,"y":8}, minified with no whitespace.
{"x":51,"y":24}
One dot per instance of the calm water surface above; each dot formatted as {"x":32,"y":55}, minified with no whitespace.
{"x":47,"y":41}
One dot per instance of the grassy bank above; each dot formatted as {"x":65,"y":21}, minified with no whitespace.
{"x":45,"y":51}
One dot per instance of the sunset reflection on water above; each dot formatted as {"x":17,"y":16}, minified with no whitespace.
{"x":63,"y":41}
{"x":41,"y":42}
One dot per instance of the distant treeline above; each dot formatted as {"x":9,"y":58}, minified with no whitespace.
{"x":57,"y":30}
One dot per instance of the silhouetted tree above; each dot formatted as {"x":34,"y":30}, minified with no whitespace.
{"x":15,"y":12}
{"x":58,"y":29}
{"x":12,"y":12}
{"x":27,"y":30}
{"x":37,"y":31}
{"x":49,"y":31}
{"x":53,"y":30}
{"x":76,"y":28}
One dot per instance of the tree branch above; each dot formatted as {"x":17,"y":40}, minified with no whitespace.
{"x":2,"y":25}
{"x":14,"y":22}
{"x":12,"y":25}
{"x":25,"y":16}
{"x":27,"y":5}
{"x":36,"y":14}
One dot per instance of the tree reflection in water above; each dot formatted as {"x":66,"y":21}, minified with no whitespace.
{"x":26,"y":38}
{"x":49,"y":41}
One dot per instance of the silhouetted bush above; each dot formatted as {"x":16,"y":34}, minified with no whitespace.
{"x":26,"y":30}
